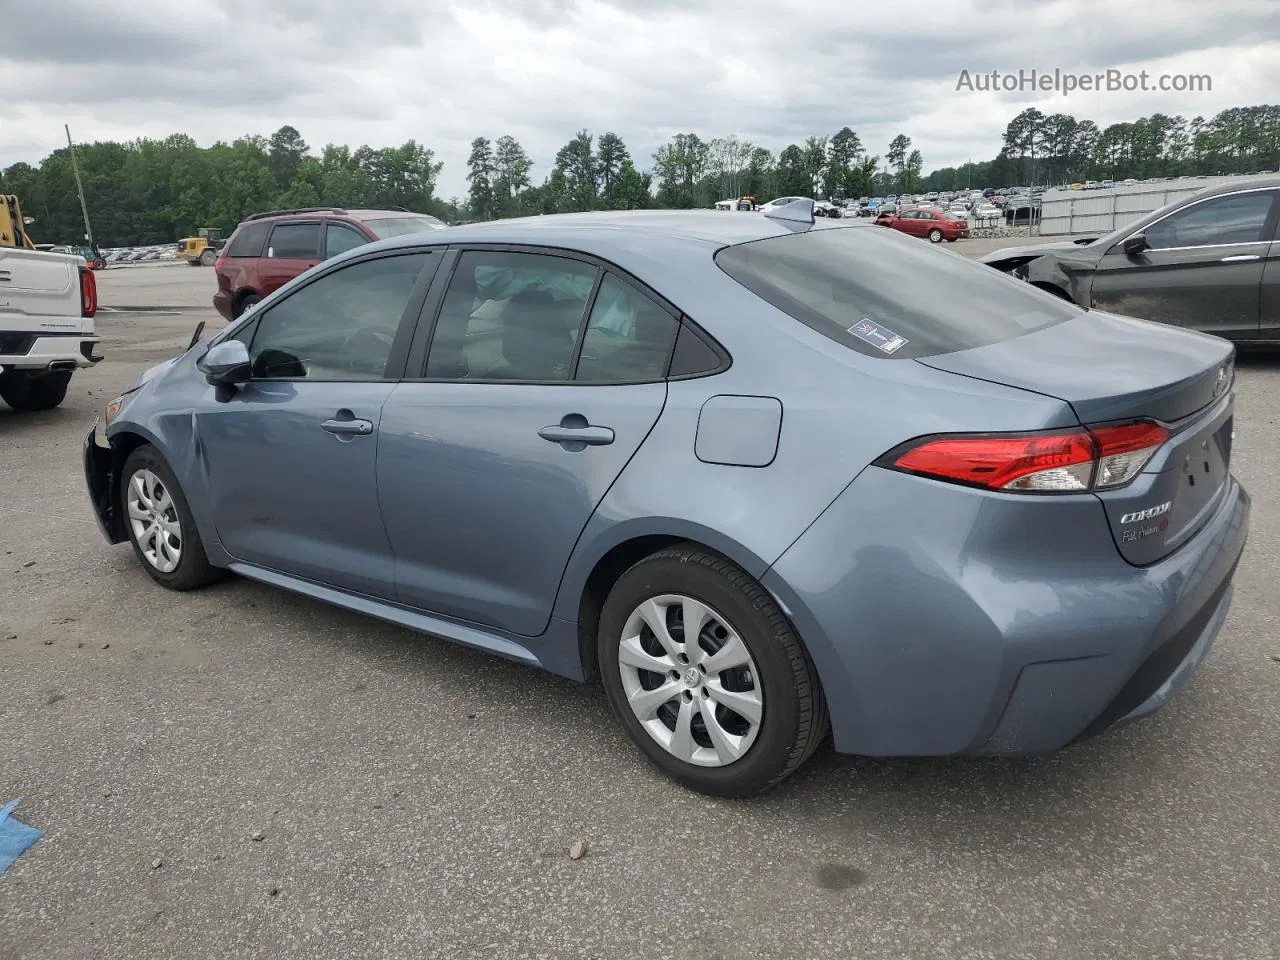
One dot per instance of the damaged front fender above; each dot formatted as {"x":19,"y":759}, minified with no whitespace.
{"x":99,"y":478}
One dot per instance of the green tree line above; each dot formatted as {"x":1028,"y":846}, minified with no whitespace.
{"x":1058,"y":148}
{"x":155,"y":191}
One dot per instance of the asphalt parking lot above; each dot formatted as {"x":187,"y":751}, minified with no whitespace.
{"x":239,"y":772}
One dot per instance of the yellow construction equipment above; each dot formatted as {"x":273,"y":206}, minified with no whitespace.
{"x":202,"y":249}
{"x":13,"y":225}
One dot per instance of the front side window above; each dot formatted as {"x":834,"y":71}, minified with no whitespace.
{"x":1234,"y":219}
{"x":629,"y":337}
{"x":294,"y":241}
{"x":339,"y":327}
{"x":511,"y":316}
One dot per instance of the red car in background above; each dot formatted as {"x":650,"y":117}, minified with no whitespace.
{"x":927,"y":222}
{"x":268,"y":250}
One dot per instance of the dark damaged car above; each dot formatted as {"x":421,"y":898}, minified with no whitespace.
{"x":1210,"y":262}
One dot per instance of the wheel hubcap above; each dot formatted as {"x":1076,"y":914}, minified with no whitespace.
{"x":153,"y":519}
{"x":690,"y":680}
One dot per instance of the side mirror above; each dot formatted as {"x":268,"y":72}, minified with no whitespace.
{"x":1135,"y":245}
{"x":226,"y":363}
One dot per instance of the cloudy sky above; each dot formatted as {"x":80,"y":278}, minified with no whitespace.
{"x":445,"y":71}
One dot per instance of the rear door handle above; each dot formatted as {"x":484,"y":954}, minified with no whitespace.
{"x":348,"y":428}
{"x":1242,"y":258}
{"x":587,"y":435}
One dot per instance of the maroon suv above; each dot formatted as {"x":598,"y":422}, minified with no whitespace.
{"x":267,"y":250}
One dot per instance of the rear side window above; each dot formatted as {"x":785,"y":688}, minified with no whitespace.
{"x":249,"y":240}
{"x":629,"y":337}
{"x":888,"y":295}
{"x":295,"y":241}
{"x":339,"y":239}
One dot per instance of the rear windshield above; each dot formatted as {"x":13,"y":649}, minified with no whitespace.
{"x":400,"y":226}
{"x":889,"y":295}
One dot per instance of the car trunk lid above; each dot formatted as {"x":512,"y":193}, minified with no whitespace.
{"x":1112,"y":369}
{"x":1107,"y":367}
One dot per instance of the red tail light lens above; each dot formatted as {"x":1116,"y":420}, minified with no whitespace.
{"x":88,"y":293}
{"x":1077,"y":461}
{"x":217,"y":264}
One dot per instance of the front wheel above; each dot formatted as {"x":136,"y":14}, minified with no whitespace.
{"x":935,"y":235}
{"x":208,"y":257}
{"x":706,"y":675}
{"x":161,"y":529}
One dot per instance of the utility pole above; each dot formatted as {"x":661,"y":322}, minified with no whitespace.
{"x":75,"y":168}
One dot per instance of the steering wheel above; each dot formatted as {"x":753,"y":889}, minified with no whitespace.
{"x":375,"y":341}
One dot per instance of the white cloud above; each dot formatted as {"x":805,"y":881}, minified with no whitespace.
{"x":443,"y":73}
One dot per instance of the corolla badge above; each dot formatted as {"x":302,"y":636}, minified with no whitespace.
{"x":1139,"y":515}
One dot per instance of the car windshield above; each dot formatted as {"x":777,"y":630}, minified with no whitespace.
{"x":400,"y":226}
{"x":865,"y":288}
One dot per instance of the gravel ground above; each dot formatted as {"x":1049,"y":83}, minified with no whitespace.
{"x":244,"y":773}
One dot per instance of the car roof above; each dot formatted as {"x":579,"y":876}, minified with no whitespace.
{"x":336,"y":213}
{"x":605,"y":231}
{"x":1239,"y":183}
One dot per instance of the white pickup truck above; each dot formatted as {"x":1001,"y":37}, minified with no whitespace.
{"x":47,"y":305}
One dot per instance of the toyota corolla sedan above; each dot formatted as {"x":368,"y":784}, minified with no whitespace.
{"x":766,"y":478}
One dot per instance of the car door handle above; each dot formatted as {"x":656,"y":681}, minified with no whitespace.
{"x":348,"y":428}
{"x":591,"y":436}
{"x":1241,"y":258}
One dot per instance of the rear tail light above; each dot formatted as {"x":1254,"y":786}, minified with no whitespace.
{"x":88,"y":293}
{"x":1101,"y":458}
{"x":217,"y":264}
{"x":1124,"y":451}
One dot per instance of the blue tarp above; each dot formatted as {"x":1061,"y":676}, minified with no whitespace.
{"x":15,"y":837}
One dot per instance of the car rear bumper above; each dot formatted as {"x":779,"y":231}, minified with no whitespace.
{"x":947,"y":620}
{"x":224,"y":303}
{"x":37,"y":352}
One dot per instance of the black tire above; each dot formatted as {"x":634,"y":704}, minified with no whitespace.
{"x":208,"y":257}
{"x":794,"y":720}
{"x":193,"y":569}
{"x":935,"y":235}
{"x":33,"y":392}
{"x":244,"y":303}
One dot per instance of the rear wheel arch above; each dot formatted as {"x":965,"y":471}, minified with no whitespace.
{"x":615,"y":562}
{"x":620,"y":556}
{"x":238,"y":305}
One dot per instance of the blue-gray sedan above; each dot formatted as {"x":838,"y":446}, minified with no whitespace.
{"x":764,"y":477}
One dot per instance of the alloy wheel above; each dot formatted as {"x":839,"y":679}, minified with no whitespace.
{"x":690,"y":680}
{"x":153,"y":519}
